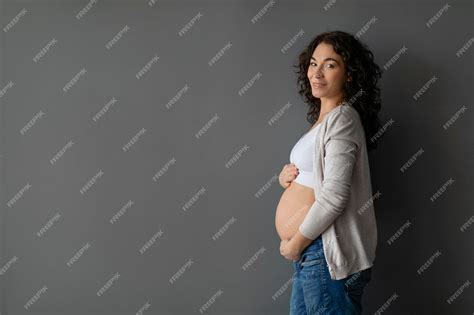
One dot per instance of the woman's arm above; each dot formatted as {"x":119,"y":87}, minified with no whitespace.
{"x":341,"y":150}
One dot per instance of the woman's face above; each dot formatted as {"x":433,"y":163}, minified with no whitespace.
{"x":326,"y":73}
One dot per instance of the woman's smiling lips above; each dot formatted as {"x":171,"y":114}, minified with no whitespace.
{"x":317,"y":85}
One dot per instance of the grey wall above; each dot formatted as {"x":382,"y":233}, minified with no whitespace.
{"x":172,"y":190}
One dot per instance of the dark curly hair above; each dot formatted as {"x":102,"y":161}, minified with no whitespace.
{"x":361,"y":92}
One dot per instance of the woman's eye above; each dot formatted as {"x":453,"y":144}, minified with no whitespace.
{"x":329,"y":65}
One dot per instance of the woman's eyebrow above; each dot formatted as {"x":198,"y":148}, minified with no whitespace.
{"x":328,"y":58}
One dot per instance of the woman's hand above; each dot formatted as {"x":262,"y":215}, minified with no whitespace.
{"x":288,"y":174}
{"x":290,"y":250}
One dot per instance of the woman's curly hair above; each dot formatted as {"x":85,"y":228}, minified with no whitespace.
{"x":361,"y":92}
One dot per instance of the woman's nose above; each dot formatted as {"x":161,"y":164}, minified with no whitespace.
{"x":316,"y":73}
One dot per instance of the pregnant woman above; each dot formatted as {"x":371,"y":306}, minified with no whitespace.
{"x":325,"y":217}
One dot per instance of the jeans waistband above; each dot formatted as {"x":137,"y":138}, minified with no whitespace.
{"x":315,"y":245}
{"x":312,"y":251}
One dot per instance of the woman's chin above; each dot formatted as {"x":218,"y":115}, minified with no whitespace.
{"x":316,"y":94}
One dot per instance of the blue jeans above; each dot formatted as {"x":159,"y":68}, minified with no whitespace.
{"x":314,"y":292}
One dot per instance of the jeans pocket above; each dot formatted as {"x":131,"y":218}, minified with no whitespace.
{"x":311,"y":259}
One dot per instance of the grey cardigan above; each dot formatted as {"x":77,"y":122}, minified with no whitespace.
{"x":343,"y":210}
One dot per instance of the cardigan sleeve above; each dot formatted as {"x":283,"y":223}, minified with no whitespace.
{"x":341,"y":149}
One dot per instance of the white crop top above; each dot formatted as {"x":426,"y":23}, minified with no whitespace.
{"x":302,"y":156}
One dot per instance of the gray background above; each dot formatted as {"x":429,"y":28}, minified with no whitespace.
{"x":200,"y":162}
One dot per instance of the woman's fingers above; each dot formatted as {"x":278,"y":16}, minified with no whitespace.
{"x":289,"y":173}
{"x":293,"y":173}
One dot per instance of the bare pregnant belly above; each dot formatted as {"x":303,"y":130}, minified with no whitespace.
{"x":294,"y":204}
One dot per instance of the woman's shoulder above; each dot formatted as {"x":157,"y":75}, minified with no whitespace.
{"x":344,"y":123}
{"x":344,"y":114}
